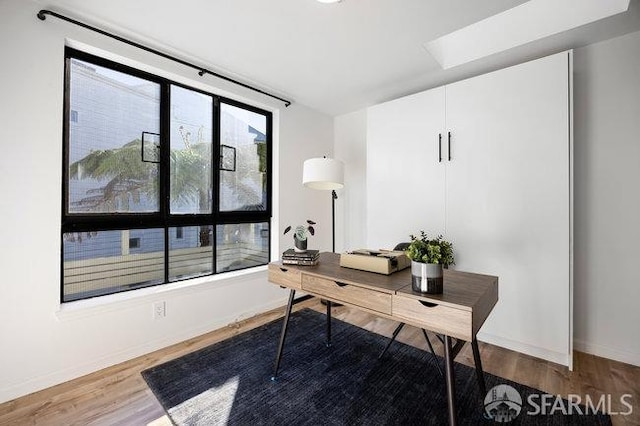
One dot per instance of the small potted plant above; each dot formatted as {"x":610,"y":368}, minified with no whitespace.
{"x":428,"y":256}
{"x":300,"y":235}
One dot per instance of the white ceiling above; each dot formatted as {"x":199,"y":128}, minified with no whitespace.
{"x":334,"y":58}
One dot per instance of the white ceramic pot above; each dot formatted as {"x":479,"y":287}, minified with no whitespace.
{"x":427,"y":277}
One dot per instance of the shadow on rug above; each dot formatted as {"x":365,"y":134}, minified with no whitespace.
{"x":230,"y":382}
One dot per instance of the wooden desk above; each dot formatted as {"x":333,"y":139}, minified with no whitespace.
{"x":458,"y":312}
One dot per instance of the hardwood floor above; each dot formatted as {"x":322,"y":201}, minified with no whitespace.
{"x":119,"y":396}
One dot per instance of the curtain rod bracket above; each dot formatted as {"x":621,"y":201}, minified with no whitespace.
{"x":42,"y":15}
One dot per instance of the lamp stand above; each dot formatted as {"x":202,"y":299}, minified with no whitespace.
{"x":334,"y":197}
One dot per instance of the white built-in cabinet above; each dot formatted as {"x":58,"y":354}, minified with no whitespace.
{"x":487,"y":163}
{"x":405,"y":181}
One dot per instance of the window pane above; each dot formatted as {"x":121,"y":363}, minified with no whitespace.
{"x":103,"y":262}
{"x":190,"y":251}
{"x":107,"y":173}
{"x":191,"y":136}
{"x":243,"y":162}
{"x":242,"y":246}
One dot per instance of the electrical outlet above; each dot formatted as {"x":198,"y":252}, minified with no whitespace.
{"x":159,"y":310}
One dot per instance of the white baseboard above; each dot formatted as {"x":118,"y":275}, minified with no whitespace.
{"x":45,"y":381}
{"x":607,"y":352}
{"x":535,"y":351}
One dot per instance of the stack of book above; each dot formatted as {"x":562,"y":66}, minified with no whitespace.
{"x":308,"y":258}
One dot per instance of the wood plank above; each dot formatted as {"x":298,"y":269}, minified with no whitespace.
{"x":70,"y":264}
{"x":114,"y":274}
{"x":123,"y":280}
{"x":115,"y":262}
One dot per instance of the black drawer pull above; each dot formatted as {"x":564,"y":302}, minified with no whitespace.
{"x":284,"y":269}
{"x":427,"y":304}
{"x":339,"y":284}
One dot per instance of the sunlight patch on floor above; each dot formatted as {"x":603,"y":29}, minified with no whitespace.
{"x":218,"y":400}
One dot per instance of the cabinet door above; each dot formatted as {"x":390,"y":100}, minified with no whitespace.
{"x":405,"y":180}
{"x":508,"y":199}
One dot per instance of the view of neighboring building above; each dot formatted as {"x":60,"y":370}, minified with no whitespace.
{"x":114,"y":149}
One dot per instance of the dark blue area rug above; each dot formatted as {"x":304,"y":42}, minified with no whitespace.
{"x":346,"y":384}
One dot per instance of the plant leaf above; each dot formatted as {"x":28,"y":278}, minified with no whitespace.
{"x":287,"y":229}
{"x":311,"y":230}
{"x":310,"y":222}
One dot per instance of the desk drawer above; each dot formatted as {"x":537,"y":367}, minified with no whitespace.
{"x":347,"y":293}
{"x":287,"y":277}
{"x":438,"y":318}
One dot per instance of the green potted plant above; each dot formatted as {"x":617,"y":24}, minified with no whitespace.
{"x":300,"y":235}
{"x":428,"y":257}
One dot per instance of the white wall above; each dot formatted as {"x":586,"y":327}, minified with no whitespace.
{"x":351,"y":147}
{"x":606,"y":189}
{"x":607,"y":198}
{"x":44,"y":344}
{"x":308,"y":135}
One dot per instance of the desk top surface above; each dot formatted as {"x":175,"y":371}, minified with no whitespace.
{"x":462,"y":290}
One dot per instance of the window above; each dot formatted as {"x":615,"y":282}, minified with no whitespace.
{"x":134,"y":243}
{"x":162,"y":182}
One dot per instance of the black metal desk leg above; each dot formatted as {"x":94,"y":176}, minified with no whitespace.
{"x":451,"y":381}
{"x":283,"y":334}
{"x":393,"y":337}
{"x":479,"y":373}
{"x":328,"y":323}
{"x":433,"y":353}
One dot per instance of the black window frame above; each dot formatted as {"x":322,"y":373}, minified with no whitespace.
{"x":78,"y":222}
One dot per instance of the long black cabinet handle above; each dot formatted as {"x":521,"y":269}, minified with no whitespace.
{"x":439,"y":147}
{"x":284,"y":269}
{"x":339,"y":284}
{"x":427,"y":304}
{"x":449,"y":143}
